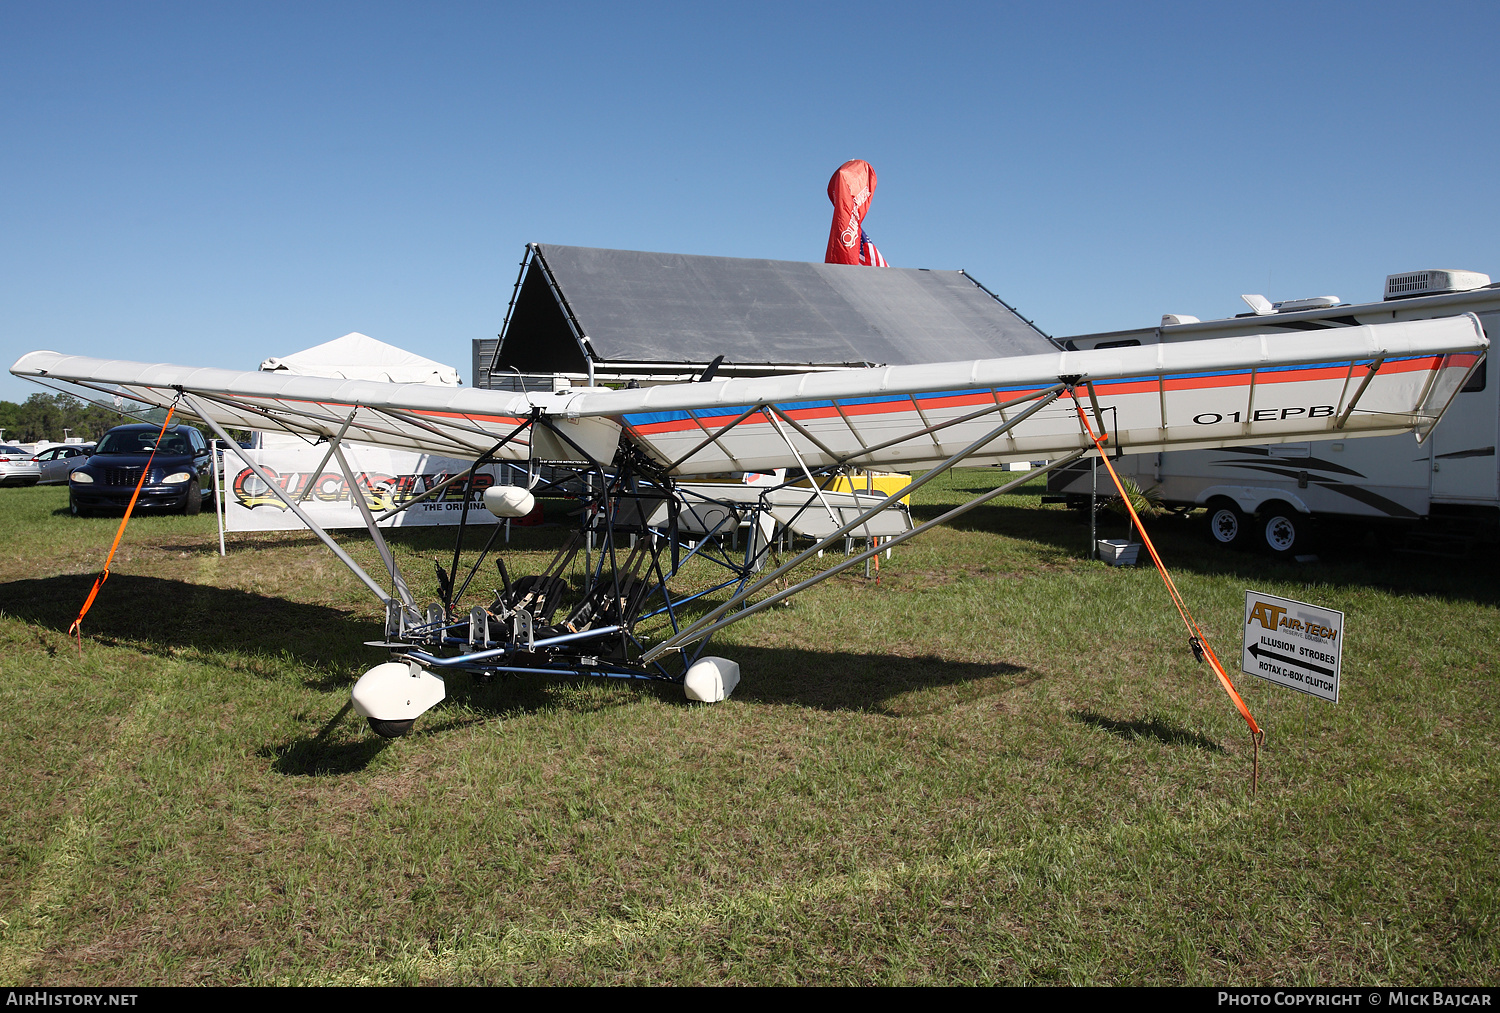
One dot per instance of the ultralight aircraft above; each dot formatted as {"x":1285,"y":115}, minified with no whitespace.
{"x":633,"y":449}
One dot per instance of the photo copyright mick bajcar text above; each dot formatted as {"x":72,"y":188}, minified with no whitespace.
{"x":1377,"y":997}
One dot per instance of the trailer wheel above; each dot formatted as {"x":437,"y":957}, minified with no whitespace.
{"x":1227,"y":524}
{"x":1284,"y":531}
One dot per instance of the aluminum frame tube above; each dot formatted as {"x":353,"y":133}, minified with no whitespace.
{"x":302,"y":497}
{"x":282,"y":495}
{"x":1372,"y":369}
{"x":691,"y":636}
{"x":386,"y":557}
{"x":771,"y":418}
{"x":496,"y":652}
{"x":1043,"y":399}
{"x":444,"y":484}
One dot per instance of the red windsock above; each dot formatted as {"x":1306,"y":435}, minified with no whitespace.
{"x":850,"y":189}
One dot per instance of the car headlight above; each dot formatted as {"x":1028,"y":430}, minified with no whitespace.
{"x":80,"y":476}
{"x":177,"y":478}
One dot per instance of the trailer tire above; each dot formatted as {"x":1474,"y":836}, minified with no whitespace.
{"x":1283,"y":531}
{"x":1228,"y":525}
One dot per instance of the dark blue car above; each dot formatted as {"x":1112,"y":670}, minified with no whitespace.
{"x":181,"y":477}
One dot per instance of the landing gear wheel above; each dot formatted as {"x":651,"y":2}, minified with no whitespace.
{"x":1227,"y":525}
{"x":1284,"y":532}
{"x":390,"y":729}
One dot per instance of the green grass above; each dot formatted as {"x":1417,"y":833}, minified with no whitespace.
{"x":1001,"y":764}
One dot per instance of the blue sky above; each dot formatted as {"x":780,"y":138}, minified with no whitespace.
{"x":216,"y":183}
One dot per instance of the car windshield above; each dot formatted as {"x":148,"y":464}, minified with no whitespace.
{"x":141,"y":441}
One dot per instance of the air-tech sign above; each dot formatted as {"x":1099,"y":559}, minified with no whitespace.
{"x":1293,"y":644}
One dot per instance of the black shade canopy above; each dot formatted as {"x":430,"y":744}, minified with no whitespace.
{"x":625,"y":308}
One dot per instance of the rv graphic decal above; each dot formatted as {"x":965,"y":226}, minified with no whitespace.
{"x":1455,"y":455}
{"x":1310,"y":475}
{"x":1315,"y":463}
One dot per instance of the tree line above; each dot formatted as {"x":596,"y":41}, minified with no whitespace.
{"x":46,"y":416}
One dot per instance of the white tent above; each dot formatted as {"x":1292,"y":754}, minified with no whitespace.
{"x":360,"y":357}
{"x":355,"y":356}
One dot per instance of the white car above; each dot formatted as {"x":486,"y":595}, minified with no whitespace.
{"x":57,"y":463}
{"x":17,"y":466}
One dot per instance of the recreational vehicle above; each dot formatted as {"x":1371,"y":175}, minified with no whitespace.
{"x":1446,"y":489}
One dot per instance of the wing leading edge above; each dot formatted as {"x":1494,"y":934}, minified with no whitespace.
{"x":407,"y":416}
{"x":1270,"y":388}
{"x":1372,"y":380}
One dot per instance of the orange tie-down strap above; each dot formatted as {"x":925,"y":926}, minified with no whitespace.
{"x":1196,"y":639}
{"x":77,"y":628}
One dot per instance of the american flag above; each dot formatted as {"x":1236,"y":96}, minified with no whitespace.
{"x":869,"y":256}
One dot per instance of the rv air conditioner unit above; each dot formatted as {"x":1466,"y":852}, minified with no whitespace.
{"x":1317,"y":302}
{"x":1404,"y":286}
{"x":1261,"y":306}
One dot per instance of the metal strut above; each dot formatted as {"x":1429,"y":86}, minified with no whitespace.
{"x":282,"y":495}
{"x":1371,"y":370}
{"x":698,"y":632}
{"x":357,"y":494}
{"x":323,"y":463}
{"x":1043,"y":399}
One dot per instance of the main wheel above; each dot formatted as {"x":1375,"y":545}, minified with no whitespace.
{"x":1228,"y":525}
{"x":389,"y":729}
{"x":1284,"y":532}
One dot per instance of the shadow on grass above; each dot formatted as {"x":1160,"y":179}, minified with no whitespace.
{"x":416,"y":540}
{"x":1351,"y":553}
{"x":160,"y":616}
{"x":317,"y":757}
{"x":468,"y":703}
{"x":311,"y":758}
{"x":1165,"y":731}
{"x":878,"y":683}
{"x":893,"y":687}
{"x":156,"y":615}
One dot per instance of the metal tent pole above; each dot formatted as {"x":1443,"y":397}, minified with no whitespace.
{"x":1094,"y":508}
{"x":219,"y":508}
